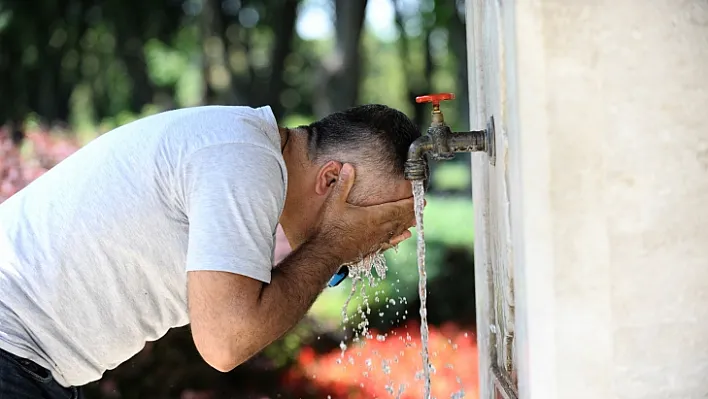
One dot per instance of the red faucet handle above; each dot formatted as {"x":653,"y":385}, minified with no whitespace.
{"x":435,"y":98}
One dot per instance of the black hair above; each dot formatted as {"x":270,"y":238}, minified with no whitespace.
{"x":375,"y":134}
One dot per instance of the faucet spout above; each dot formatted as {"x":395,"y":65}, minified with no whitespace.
{"x":416,"y":167}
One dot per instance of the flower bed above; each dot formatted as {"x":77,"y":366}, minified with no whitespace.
{"x":19,"y":168}
{"x":378,"y":368}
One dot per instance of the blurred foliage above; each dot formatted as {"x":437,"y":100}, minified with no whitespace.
{"x":105,"y":62}
{"x":72,"y":69}
{"x":452,"y":177}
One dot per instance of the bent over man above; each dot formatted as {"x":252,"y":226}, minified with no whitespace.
{"x":171,"y":220}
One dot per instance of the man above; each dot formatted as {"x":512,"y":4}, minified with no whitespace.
{"x":171,"y":220}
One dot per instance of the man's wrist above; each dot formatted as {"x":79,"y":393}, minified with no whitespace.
{"x":323,"y":248}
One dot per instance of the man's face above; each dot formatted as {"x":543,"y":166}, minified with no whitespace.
{"x":308,"y":193}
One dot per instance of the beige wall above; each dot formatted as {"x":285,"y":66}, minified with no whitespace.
{"x":599,"y":199}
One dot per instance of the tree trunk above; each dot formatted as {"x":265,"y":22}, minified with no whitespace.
{"x":143,"y":90}
{"x":284,"y":32}
{"x":218,"y":83}
{"x":342,"y":70}
{"x":128,"y":26}
{"x":415,"y":85}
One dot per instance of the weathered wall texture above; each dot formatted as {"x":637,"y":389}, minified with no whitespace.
{"x":488,"y":75}
{"x":598,"y":202}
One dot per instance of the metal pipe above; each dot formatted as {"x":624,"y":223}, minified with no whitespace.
{"x":467,"y":141}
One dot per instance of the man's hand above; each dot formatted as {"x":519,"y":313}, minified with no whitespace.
{"x":402,"y":237}
{"x":357,"y":231}
{"x":233,"y":317}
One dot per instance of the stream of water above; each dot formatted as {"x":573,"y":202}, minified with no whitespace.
{"x":360,"y":273}
{"x":418,"y":195}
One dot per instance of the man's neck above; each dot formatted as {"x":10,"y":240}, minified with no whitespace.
{"x":284,"y":138}
{"x":294,"y":150}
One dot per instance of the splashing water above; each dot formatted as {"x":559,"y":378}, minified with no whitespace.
{"x":418,"y":196}
{"x":360,"y":272}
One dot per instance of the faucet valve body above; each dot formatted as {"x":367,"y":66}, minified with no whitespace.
{"x":440,"y":143}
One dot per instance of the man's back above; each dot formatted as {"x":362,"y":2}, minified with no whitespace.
{"x":93,"y":253}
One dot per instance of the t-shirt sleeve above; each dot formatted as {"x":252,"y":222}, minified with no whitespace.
{"x":234,"y":197}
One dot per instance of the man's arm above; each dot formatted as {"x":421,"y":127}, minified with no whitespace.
{"x":234,"y":317}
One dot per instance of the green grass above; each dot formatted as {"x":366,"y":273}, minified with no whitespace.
{"x":452,"y":176}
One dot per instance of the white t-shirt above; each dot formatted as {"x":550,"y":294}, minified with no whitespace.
{"x":94,"y":254}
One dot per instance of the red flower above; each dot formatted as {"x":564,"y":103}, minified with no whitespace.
{"x":378,"y":368}
{"x":307,"y":356}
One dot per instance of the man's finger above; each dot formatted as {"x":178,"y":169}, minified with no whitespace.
{"x":394,"y":229}
{"x":400,"y":209}
{"x":405,"y":202}
{"x":345,"y":183}
{"x":400,"y":238}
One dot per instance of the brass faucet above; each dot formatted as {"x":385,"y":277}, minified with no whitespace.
{"x":440,"y":143}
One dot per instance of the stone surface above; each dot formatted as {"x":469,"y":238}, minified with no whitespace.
{"x":599,"y":198}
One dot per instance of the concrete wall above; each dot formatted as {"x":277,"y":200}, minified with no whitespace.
{"x":598,"y":202}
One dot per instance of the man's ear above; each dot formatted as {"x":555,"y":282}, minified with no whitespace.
{"x":327,"y":176}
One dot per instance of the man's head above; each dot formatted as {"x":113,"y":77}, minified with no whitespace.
{"x":373,"y":138}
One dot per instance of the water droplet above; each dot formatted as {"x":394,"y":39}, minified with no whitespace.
{"x":458,"y":395}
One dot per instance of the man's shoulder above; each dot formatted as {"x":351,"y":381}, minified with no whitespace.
{"x":206,"y":115}
{"x":217,"y":125}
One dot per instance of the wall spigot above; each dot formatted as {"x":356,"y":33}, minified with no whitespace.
{"x":440,"y":143}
